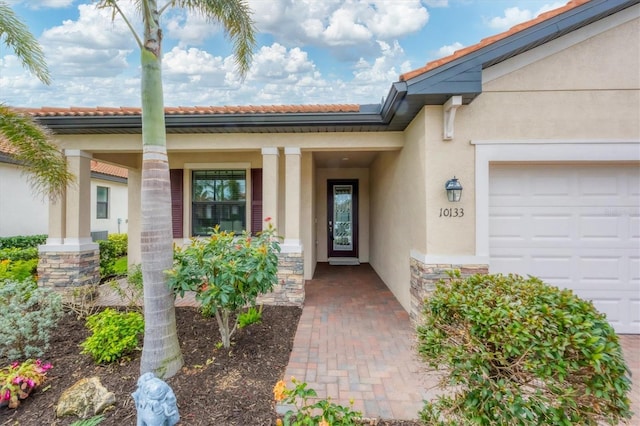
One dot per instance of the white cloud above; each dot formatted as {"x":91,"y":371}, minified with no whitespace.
{"x":338,"y":23}
{"x":382,"y":70}
{"x":449,"y":49}
{"x":514,"y":16}
{"x":189,"y":28}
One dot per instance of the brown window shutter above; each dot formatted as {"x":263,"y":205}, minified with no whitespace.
{"x":177,"y":210}
{"x":256,"y":200}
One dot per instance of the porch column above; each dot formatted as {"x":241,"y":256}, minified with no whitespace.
{"x":292,"y":242}
{"x":134,"y":186}
{"x":57,"y":220}
{"x":78,"y":205}
{"x":270,"y":185}
{"x":70,"y":258}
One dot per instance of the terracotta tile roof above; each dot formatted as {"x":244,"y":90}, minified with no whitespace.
{"x":109,"y":169}
{"x":492,"y":39}
{"x":193,"y":110}
{"x":96,"y":166}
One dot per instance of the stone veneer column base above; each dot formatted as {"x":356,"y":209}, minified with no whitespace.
{"x":60,"y":269}
{"x":290,"y":287}
{"x":425,"y":276}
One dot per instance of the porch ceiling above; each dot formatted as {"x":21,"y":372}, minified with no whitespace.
{"x":344,"y":159}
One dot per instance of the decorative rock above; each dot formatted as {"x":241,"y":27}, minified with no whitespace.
{"x":86,"y":398}
{"x":155,"y":401}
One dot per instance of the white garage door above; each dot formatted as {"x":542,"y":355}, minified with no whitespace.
{"x":572,"y":226}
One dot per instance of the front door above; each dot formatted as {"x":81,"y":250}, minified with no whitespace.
{"x":342,"y":220}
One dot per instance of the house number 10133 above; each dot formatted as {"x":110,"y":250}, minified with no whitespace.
{"x":451,"y":212}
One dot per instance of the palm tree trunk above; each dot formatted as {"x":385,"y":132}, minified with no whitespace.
{"x":161,"y":350}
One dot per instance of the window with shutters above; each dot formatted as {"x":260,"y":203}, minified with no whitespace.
{"x":218,"y":198}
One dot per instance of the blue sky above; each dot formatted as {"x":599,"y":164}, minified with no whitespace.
{"x":309,"y":51}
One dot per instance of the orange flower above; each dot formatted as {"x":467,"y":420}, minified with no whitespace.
{"x":279,"y":422}
{"x":279,"y":391}
{"x":323,"y":422}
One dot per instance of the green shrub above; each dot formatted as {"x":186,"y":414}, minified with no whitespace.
{"x":120,"y":242}
{"x":111,"y":250}
{"x":114,"y":335}
{"x":18,"y":270}
{"x":22,"y":241}
{"x":520,"y":352}
{"x":27,"y":315}
{"x":108,"y":258}
{"x":251,"y":316}
{"x":227,"y":273}
{"x":16,"y":253}
{"x":321,"y":412}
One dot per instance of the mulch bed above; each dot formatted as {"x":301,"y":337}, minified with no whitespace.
{"x":215,"y":387}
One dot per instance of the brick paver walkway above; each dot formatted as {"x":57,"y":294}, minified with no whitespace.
{"x":356,"y":342}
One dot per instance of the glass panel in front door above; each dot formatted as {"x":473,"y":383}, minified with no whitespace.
{"x":343,"y":217}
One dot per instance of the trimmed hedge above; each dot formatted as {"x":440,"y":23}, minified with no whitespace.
{"x":22,"y":241}
{"x":520,"y":352}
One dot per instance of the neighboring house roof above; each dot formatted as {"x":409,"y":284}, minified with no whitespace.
{"x":97,"y":168}
{"x":105,"y":169}
{"x":432,"y":84}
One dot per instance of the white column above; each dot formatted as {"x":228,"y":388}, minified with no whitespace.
{"x":78,"y":202}
{"x":292,"y":242}
{"x":270,"y":176}
{"x":134,"y":185}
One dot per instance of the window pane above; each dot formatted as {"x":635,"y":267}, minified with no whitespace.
{"x":102,"y":194}
{"x":219,"y":198}
{"x":102,"y":203}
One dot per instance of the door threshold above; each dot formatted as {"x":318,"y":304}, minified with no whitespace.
{"x":344,"y":261}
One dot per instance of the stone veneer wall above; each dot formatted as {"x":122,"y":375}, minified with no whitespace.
{"x":290,"y":287}
{"x":425,"y":276}
{"x":69,"y":269}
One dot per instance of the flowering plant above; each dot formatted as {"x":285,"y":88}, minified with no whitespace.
{"x":19,"y":379}
{"x":322,"y":413}
{"x":227,"y":272}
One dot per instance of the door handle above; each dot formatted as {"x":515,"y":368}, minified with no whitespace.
{"x":331,"y":229}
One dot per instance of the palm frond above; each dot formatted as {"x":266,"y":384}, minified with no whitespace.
{"x":34,"y":149}
{"x":17,"y":36}
{"x":235,"y":17}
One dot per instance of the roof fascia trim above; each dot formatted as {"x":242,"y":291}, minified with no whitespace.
{"x":174,"y":121}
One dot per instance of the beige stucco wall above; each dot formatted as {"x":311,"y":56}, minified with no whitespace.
{"x":364,"y":229}
{"x":21,"y":211}
{"x":585,"y":90}
{"x":398,"y":210}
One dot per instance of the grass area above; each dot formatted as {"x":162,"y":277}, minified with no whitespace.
{"x":121,"y":267}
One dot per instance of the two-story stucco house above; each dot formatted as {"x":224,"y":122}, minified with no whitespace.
{"x":540,"y":125}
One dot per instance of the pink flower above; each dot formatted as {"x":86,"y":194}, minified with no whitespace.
{"x":15,"y":364}
{"x":7,"y":395}
{"x":267,"y":219}
{"x":17,"y":380}
{"x":31,"y":383}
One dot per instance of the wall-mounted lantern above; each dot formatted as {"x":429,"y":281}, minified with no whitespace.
{"x":454,"y":190}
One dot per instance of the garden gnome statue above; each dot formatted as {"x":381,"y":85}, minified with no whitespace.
{"x":155,"y":402}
